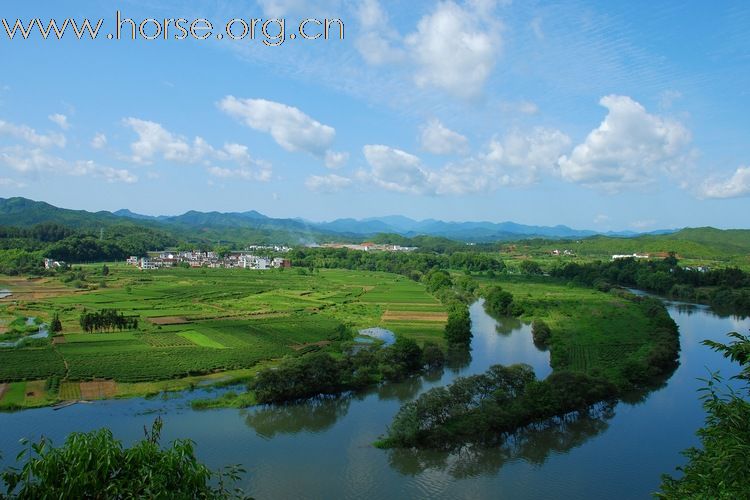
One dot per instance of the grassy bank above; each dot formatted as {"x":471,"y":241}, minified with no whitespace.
{"x":198,"y":325}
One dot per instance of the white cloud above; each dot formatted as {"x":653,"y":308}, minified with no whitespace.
{"x":327,"y":183}
{"x":336,"y":159}
{"x":735,"y":186}
{"x":156,"y":142}
{"x":292,"y":129}
{"x":438,"y":139}
{"x":601,"y":219}
{"x":99,"y":141}
{"x":629,"y":148}
{"x":536,"y":28}
{"x":377,"y":42}
{"x":245,"y":174}
{"x":643,"y":224}
{"x":668,"y":97}
{"x":528,"y":108}
{"x":36,"y":161}
{"x":60,"y":120}
{"x":31,"y":136}
{"x":396,"y":170}
{"x":6,"y":182}
{"x":515,"y":160}
{"x":454,"y":49}
{"x":91,"y":169}
{"x":277,"y":9}
{"x":273,"y":9}
{"x":524,"y":156}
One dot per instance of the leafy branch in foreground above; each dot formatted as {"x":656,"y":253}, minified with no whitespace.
{"x":95,"y":465}
{"x":720,"y":468}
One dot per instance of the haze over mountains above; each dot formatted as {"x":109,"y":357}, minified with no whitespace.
{"x":23,"y":212}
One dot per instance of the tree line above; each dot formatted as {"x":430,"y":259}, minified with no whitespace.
{"x":486,"y":408}
{"x":322,"y":374}
{"x":726,"y":289}
{"x":107,"y":320}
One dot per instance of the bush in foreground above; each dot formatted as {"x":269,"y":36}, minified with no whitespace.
{"x":95,"y":465}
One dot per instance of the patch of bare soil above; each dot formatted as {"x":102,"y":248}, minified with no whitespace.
{"x":169,"y":320}
{"x":321,"y":343}
{"x":414,"y":316}
{"x":98,"y":389}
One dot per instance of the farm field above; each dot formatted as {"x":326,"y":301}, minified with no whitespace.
{"x":193,"y":323}
{"x":593,"y":331}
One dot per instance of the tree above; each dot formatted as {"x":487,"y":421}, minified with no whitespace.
{"x":530,"y":267}
{"x":105,"y":270}
{"x":719,"y":468}
{"x":55,"y":325}
{"x":458,"y":327}
{"x":498,"y":302}
{"x":95,"y":465}
{"x":541,"y":332}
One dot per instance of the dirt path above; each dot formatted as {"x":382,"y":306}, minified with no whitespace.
{"x":3,"y":388}
{"x":414,"y":316}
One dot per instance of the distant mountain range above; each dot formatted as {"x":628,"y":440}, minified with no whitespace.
{"x":217,"y":225}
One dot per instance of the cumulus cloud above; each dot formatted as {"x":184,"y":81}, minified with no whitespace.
{"x":336,"y":159}
{"x":525,"y":156}
{"x":37,"y":161}
{"x":31,"y":136}
{"x":438,"y":139}
{"x":377,"y":42}
{"x":292,"y":129}
{"x":733,"y":187}
{"x":156,"y":142}
{"x":454,"y":48}
{"x":396,"y":170}
{"x":514,"y":160}
{"x":59,"y":120}
{"x":629,"y":148}
{"x":327,"y":183}
{"x":99,"y":141}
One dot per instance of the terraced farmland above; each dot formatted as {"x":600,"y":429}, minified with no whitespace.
{"x":199,"y":321}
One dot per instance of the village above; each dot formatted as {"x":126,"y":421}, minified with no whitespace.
{"x":232,"y":260}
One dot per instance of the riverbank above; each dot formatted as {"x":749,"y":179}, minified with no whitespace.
{"x":604,"y":345}
{"x":326,"y":445}
{"x":24,"y":395}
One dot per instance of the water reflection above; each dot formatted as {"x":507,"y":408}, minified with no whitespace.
{"x":457,"y":359}
{"x":507,"y":325}
{"x":533,"y":446}
{"x":403,"y":391}
{"x":313,"y":416}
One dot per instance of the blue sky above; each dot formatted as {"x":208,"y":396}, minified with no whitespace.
{"x":601,"y":115}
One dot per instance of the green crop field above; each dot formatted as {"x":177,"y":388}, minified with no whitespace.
{"x":200,"y":321}
{"x":593,"y":331}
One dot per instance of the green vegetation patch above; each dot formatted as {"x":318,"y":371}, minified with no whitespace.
{"x":201,"y":340}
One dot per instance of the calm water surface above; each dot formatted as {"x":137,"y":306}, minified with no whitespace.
{"x":323,"y":449}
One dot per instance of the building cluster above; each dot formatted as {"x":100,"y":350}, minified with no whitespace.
{"x":269,"y":248}
{"x":234,"y":260}
{"x":568,"y":253}
{"x":630,"y":256}
{"x":54,"y":264}
{"x":369,"y":247}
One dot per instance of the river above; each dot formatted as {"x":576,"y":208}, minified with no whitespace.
{"x":323,"y":449}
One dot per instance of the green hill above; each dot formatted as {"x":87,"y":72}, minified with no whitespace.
{"x":690,"y":243}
